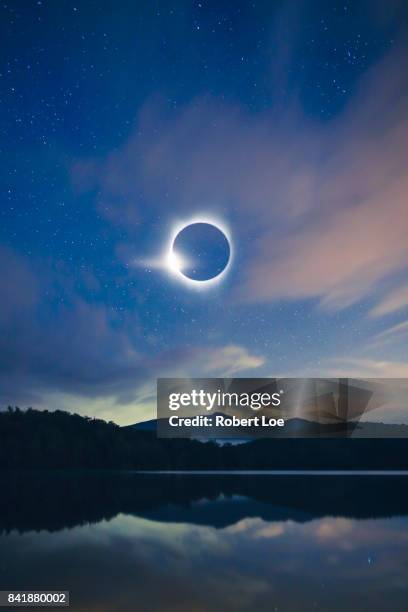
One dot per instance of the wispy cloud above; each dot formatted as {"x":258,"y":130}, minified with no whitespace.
{"x":231,"y":360}
{"x":80,"y":356}
{"x":395,"y":329}
{"x":360,"y":367}
{"x":394,"y":334}
{"x":323,"y":203}
{"x":395,"y":301}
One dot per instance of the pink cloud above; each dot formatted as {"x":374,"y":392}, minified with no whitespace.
{"x":325,"y":203}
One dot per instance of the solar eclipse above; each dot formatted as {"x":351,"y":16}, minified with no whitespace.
{"x":199,"y":252}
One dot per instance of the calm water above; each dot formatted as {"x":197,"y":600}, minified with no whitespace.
{"x":155,"y":542}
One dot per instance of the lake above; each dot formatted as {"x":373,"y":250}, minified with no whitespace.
{"x":180,"y":542}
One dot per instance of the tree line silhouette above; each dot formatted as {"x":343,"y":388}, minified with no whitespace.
{"x":60,"y":440}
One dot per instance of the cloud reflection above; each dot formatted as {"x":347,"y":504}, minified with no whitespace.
{"x":135,"y":563}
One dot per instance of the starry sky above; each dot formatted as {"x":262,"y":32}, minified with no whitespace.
{"x":288,"y":121}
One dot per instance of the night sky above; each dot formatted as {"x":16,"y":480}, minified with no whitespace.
{"x":287,"y":122}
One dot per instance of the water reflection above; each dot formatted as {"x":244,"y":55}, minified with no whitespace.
{"x":205,"y":543}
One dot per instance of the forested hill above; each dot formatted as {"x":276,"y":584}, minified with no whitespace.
{"x":59,"y":440}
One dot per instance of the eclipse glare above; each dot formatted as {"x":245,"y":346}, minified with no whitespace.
{"x":200,"y":253}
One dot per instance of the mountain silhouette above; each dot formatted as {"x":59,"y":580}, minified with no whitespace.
{"x":293,"y":427}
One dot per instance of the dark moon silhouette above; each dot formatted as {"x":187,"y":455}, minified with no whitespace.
{"x":205,"y":248}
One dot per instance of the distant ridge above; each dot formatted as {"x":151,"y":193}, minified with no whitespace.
{"x":296,"y":427}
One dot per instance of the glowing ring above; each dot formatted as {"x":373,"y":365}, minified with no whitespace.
{"x":171,"y":259}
